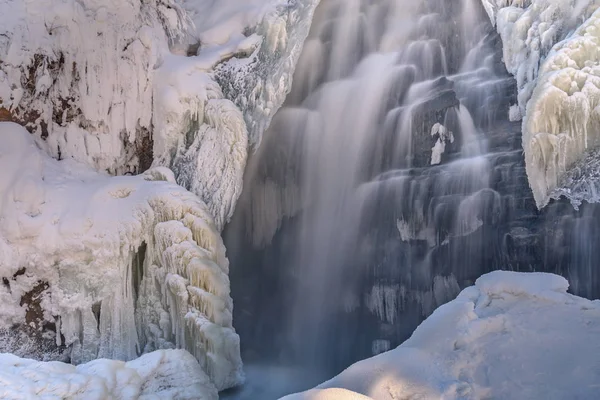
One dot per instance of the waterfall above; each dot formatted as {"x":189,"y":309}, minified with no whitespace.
{"x":391,"y":178}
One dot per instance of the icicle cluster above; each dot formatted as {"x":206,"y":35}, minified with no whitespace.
{"x":563,"y":116}
{"x":130,"y":264}
{"x":556,"y":66}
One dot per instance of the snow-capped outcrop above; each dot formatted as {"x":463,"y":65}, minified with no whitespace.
{"x":512,"y":335}
{"x":125,"y":86}
{"x":554,"y":57}
{"x":120,"y":265}
{"x":163,"y":374}
{"x":80,"y":75}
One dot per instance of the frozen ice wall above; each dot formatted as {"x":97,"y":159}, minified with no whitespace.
{"x":551,"y":48}
{"x":129,"y":88}
{"x":79,"y":74}
{"x":115,"y":266}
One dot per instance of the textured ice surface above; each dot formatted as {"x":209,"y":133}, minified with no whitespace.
{"x":80,"y":74}
{"x":122,"y":265}
{"x":163,"y":374}
{"x":512,"y":335}
{"x":551,"y":47}
{"x":259,"y":83}
{"x":125,"y":85}
{"x":247,"y":54}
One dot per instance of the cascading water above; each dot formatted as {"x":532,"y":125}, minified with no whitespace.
{"x":390,"y":179}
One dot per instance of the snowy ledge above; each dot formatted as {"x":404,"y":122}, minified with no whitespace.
{"x":551,"y":47}
{"x":512,"y":335}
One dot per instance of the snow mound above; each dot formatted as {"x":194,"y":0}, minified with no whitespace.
{"x":554,"y":56}
{"x":164,"y":374}
{"x":121,"y":265}
{"x":512,"y":335}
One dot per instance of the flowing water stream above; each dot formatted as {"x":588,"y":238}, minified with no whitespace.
{"x":390,"y":179}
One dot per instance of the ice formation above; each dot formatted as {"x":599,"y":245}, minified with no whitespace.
{"x":163,"y":374}
{"x":443,"y":135}
{"x":554,"y":56}
{"x":80,"y":74}
{"x":132,"y":85}
{"x":209,"y":107}
{"x":121,"y":265}
{"x":488,"y":343}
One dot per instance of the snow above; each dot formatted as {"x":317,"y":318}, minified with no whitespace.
{"x":512,"y":335}
{"x":551,"y":47}
{"x":80,"y":73}
{"x":164,"y":374}
{"x":211,"y":106}
{"x":119,"y":86}
{"x":175,"y":91}
{"x":259,"y":83}
{"x":131,"y":264}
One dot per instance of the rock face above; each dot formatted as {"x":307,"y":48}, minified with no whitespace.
{"x":401,"y":236}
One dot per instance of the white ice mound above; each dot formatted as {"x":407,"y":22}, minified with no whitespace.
{"x":163,"y":374}
{"x":122,"y":265}
{"x":80,"y":74}
{"x":512,"y":335}
{"x":554,"y":56}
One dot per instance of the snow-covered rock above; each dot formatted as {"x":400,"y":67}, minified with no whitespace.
{"x":80,"y":74}
{"x":163,"y":374}
{"x":512,"y":335}
{"x":127,"y":85}
{"x":121,"y":265}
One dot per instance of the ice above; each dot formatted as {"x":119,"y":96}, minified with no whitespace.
{"x":443,"y":134}
{"x":126,"y":265}
{"x":551,"y":47}
{"x":80,"y":74}
{"x":141,"y":84}
{"x":488,"y":343}
{"x":163,"y":374}
{"x":259,"y":83}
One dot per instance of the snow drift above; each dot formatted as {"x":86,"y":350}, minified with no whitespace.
{"x":164,"y":374}
{"x":553,"y":54}
{"x":120,"y":265}
{"x":512,"y":335}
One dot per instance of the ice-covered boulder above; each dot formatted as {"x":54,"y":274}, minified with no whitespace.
{"x":117,"y":266}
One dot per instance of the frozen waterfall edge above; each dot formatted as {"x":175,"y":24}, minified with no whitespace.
{"x":553,"y":55}
{"x":120,"y":266}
